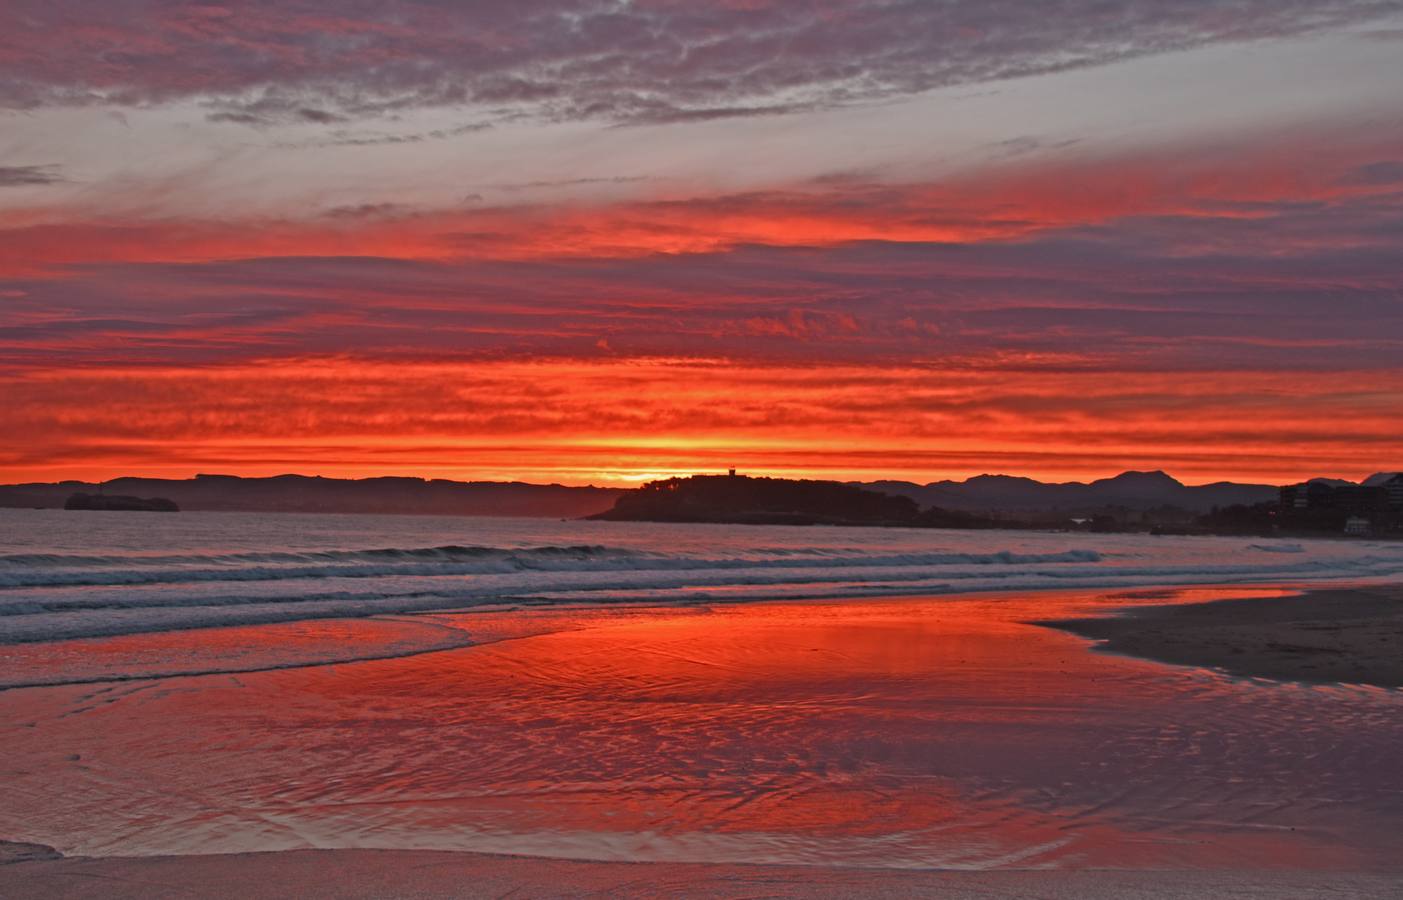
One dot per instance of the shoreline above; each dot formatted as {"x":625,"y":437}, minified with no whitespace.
{"x":527,"y":605}
{"x":1334,"y":635}
{"x":1123,"y":632}
{"x":984,"y":668}
{"x":429,"y":874}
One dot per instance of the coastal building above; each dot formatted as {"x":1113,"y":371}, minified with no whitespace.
{"x":1391,"y":483}
{"x":1343,"y":496}
{"x":1295,"y":496}
{"x":1374,"y":506}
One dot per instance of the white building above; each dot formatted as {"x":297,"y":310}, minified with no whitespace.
{"x":1356,"y":525}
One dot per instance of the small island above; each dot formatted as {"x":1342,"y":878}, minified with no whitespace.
{"x":743,"y":500}
{"x":115,"y":503}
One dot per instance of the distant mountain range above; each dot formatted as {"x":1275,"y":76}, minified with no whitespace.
{"x":1005,"y":494}
{"x":1130,"y":490}
{"x":300,"y":493}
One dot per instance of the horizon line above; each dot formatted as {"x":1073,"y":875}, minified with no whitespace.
{"x":631,"y":482}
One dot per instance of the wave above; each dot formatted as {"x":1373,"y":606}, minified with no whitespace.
{"x":136,"y":613}
{"x":460,"y":561}
{"x":450,"y":552}
{"x":51,"y":591}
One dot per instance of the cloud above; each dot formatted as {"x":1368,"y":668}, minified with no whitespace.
{"x":264,"y":114}
{"x":1194,"y":199}
{"x":1287,"y":285}
{"x":567,"y":182}
{"x":323,"y":61}
{"x":1226,"y":310}
{"x":1387,"y":172}
{"x":343,"y":137}
{"x":550,"y":418}
{"x":29,"y":176}
{"x":367,"y":211}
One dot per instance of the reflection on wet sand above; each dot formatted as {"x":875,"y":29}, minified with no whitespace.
{"x":895,"y":733}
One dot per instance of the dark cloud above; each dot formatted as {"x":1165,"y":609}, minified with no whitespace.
{"x":1379,"y":173}
{"x":566,"y":182}
{"x":367,"y":211}
{"x":269,"y":110}
{"x":29,"y":176}
{"x":1295,"y":287}
{"x":347,"y":138}
{"x":1022,"y":146}
{"x":321,"y":61}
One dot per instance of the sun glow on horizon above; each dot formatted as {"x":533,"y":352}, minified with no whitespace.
{"x":1181,"y":258}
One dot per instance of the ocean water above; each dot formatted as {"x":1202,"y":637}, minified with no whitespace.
{"x":596,"y":690}
{"x":70,"y":575}
{"x":883,"y":733}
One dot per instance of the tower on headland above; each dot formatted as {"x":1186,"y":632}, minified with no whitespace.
{"x":732,"y":472}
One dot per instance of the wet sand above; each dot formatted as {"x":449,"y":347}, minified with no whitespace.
{"x":903,"y":747}
{"x":427,"y":875}
{"x":1347,"y":636}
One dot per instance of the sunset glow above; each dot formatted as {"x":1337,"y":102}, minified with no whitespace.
{"x":325,"y":240}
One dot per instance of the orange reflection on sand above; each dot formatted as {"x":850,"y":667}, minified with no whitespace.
{"x":909,"y":733}
{"x":233,"y":649}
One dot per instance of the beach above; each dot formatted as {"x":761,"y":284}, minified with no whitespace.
{"x":756,"y":448}
{"x":830,"y":748}
{"x":1320,"y":636}
{"x":422,"y":875}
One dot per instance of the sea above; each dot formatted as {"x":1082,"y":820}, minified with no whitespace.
{"x":79,"y":574}
{"x":200,"y":682}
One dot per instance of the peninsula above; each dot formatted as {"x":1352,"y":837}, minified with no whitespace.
{"x":743,"y":500}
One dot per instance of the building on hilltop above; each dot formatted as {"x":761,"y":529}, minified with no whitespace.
{"x":1391,"y":483}
{"x":1374,"y":506}
{"x":1345,"y":497}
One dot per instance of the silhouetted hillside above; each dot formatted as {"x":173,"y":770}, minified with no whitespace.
{"x":298,"y":493}
{"x":774,"y":501}
{"x":1131,"y":499}
{"x":118,"y":503}
{"x":1137,"y":491}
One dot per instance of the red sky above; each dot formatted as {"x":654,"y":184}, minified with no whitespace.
{"x":588,"y":243}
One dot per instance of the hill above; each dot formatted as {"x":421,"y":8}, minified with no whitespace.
{"x":740,"y":499}
{"x":300,"y":493}
{"x":1128,"y":490}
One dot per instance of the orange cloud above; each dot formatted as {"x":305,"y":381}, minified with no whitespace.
{"x":613,"y":420}
{"x":1166,"y":337}
{"x":998,"y":202}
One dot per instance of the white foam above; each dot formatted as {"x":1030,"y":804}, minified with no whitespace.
{"x":64,"y":577}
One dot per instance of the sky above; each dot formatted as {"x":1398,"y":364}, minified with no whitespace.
{"x":601,"y":241}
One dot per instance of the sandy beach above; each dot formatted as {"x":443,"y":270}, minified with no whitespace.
{"x":899,"y":747}
{"x":364,"y":874}
{"x":1319,"y":636}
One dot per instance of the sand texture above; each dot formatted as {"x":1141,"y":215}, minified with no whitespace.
{"x":419,"y":875}
{"x":1347,"y":636}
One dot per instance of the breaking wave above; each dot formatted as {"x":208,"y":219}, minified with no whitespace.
{"x":67,"y":571}
{"x":97,"y":576}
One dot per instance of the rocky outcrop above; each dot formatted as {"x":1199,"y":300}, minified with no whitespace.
{"x":116,"y":503}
